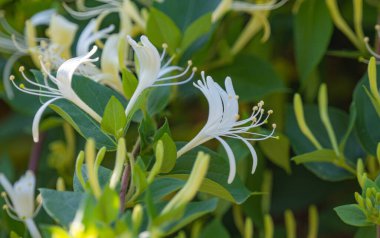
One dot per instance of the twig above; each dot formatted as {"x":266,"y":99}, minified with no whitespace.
{"x":36,"y":154}
{"x":127,"y":175}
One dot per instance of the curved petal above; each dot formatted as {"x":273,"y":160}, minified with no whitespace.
{"x":37,"y":118}
{"x":253,"y":153}
{"x":88,"y":36}
{"x":231,"y":159}
{"x":42,"y":18}
{"x":149,"y":61}
{"x":7,"y":186}
{"x":66,"y":70}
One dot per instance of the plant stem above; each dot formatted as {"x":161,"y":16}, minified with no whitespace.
{"x":378,"y":231}
{"x":36,"y":154}
{"x":124,"y":186}
{"x":127,"y":174}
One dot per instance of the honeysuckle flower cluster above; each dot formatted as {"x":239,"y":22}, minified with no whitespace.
{"x":21,"y":205}
{"x":223,"y":121}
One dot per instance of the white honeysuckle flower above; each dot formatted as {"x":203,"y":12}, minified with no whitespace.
{"x":21,"y":205}
{"x":223,"y":121}
{"x":127,"y":10}
{"x":61,"y":88}
{"x":248,"y":7}
{"x":89,"y":35}
{"x":110,"y":64}
{"x":151,"y":72}
{"x":19,"y":45}
{"x":61,"y":33}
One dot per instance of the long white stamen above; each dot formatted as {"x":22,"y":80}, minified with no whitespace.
{"x":53,"y":90}
{"x":178,"y":83}
{"x":178,"y":75}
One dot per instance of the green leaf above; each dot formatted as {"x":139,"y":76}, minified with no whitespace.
{"x":147,"y":130}
{"x":367,"y":118}
{"x":352,"y":215}
{"x":198,"y":28}
{"x":61,"y":206}
{"x":107,"y":208}
{"x":253,"y":78}
{"x":301,"y":145}
{"x":184,"y":13}
{"x":193,"y":211}
{"x":161,"y":29}
{"x":129,"y":82}
{"x":170,"y":154}
{"x":323,"y":155}
{"x":215,"y":229}
{"x":114,"y":119}
{"x":215,"y":182}
{"x":310,"y":44}
{"x":279,"y":155}
{"x":162,"y":187}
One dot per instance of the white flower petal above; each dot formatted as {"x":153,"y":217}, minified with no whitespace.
{"x":7,"y":186}
{"x":37,"y":118}
{"x":62,"y":33}
{"x":42,"y":18}
{"x":149,"y":61}
{"x":231,"y":159}
{"x":66,"y":70}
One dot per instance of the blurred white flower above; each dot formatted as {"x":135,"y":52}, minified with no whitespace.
{"x":223,"y":120}
{"x":128,"y":12}
{"x":89,"y":35}
{"x":151,"y":72}
{"x":19,"y":45}
{"x":248,"y":7}
{"x":58,"y":87}
{"x":21,"y":205}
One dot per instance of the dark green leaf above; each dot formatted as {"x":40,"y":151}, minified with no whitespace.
{"x":215,"y":229}
{"x":352,"y":215}
{"x":252,"y":77}
{"x":311,"y":45}
{"x":161,"y":29}
{"x":198,"y":28}
{"x":61,"y":206}
{"x":301,"y":145}
{"x":367,"y":118}
{"x":323,"y":155}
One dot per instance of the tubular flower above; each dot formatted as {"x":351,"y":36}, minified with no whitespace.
{"x":20,"y":45}
{"x":21,"y":205}
{"x":127,"y":10}
{"x":61,"y":88}
{"x":223,"y":121}
{"x":151,"y":72}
